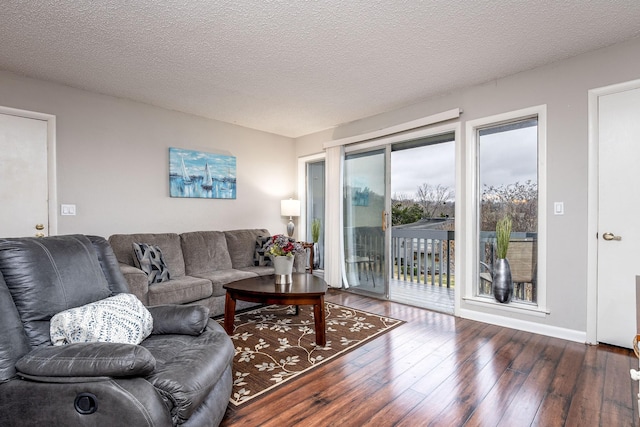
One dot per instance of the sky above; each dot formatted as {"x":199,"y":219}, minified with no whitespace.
{"x":431,"y":164}
{"x":502,"y":162}
{"x":220,"y":166}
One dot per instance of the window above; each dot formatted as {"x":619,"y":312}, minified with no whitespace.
{"x":506,"y":151}
{"x":315,"y":196}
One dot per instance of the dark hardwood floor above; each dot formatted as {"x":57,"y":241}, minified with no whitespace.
{"x":438,"y":370}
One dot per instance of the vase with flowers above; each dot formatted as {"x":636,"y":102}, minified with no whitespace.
{"x":282,"y":250}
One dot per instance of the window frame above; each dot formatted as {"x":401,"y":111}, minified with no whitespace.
{"x":472,"y":128}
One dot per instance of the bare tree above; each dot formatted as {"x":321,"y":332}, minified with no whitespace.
{"x":401,"y":198}
{"x":433,"y":199}
{"x":519,"y":201}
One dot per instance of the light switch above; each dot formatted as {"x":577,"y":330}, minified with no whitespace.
{"x":67,"y":209}
{"x":558,"y":208}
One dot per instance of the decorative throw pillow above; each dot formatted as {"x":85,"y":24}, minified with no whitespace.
{"x":149,"y":259}
{"x":260,"y":259}
{"x":120,"y":319}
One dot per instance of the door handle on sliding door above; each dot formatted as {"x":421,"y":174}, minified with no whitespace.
{"x":384,"y":221}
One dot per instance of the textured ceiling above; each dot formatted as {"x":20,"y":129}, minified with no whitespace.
{"x":296,"y":67}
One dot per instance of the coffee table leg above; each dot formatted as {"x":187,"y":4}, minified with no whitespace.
{"x":319,"y":316}
{"x":229,"y":313}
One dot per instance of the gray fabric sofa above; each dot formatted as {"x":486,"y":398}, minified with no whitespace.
{"x":199,"y":262}
{"x":178,"y":375}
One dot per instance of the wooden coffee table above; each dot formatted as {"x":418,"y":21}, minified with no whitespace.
{"x":305,"y":289}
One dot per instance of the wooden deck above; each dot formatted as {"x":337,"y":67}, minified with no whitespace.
{"x":432,"y":297}
{"x":438,"y":370}
{"x":437,"y":298}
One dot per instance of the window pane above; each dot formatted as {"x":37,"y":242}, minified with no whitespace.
{"x":508,"y":185}
{"x":364,"y":203}
{"x":315,"y":210}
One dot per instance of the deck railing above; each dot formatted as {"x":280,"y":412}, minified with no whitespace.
{"x":423,"y":256}
{"x":427,"y":257}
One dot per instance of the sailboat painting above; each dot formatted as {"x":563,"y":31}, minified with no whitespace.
{"x":201,"y":175}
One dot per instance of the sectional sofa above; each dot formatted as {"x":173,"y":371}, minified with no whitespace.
{"x":199,"y":264}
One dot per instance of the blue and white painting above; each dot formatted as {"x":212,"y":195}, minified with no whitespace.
{"x":201,"y":175}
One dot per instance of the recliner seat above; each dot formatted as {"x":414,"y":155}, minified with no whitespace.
{"x":179,"y":375}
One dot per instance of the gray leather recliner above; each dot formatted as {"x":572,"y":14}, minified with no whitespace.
{"x":179,"y":375}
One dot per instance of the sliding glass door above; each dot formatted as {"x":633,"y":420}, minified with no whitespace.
{"x":365,"y":221}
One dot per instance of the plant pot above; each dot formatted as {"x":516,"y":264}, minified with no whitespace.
{"x":502,"y":283}
{"x":283,"y":266}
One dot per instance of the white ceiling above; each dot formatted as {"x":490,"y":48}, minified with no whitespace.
{"x":296,"y":67}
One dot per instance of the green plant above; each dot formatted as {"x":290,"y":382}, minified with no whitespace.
{"x":315,"y":230}
{"x":503,"y":234}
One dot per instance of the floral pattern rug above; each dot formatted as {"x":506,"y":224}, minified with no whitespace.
{"x":274,"y":345}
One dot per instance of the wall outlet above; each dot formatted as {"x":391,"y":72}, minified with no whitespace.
{"x":67,"y":209}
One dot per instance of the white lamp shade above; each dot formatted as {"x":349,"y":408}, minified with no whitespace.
{"x":290,"y":207}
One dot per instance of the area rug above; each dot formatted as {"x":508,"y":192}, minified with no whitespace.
{"x":274,"y":345}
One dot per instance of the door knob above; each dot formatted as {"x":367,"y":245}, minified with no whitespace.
{"x":39,"y":234}
{"x":611,"y":236}
{"x":39,"y":227}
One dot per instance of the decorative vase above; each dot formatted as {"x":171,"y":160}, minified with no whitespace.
{"x":283,"y":266}
{"x":502,"y":283}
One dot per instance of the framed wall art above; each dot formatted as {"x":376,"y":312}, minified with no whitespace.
{"x":201,"y":175}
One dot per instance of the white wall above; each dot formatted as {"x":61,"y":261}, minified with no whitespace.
{"x":563,"y":87}
{"x":112,"y":162}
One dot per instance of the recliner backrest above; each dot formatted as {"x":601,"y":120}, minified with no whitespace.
{"x":109,"y":263}
{"x":13,"y":341}
{"x":48,"y":275}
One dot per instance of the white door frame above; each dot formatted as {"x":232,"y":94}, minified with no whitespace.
{"x":52,"y":199}
{"x":592,"y":211}
{"x":302,"y":190}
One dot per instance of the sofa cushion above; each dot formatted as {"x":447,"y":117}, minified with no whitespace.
{"x":222,"y":277}
{"x":188,"y":367}
{"x":150,"y":260}
{"x":260,"y":271}
{"x":122,"y":245}
{"x":48,"y":275}
{"x":242,"y":246}
{"x":205,"y":251}
{"x":261,"y":259}
{"x":118,"y":319}
{"x":179,"y":291}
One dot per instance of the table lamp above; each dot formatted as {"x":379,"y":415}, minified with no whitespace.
{"x":290,"y":208}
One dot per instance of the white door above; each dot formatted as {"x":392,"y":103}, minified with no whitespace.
{"x":24,"y":209}
{"x":618,"y":216}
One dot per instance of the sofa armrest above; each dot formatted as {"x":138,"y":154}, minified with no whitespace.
{"x":137,"y":280}
{"x":179,"y":319}
{"x":96,"y":359}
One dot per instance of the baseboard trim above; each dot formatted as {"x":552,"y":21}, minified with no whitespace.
{"x":526,"y":326}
